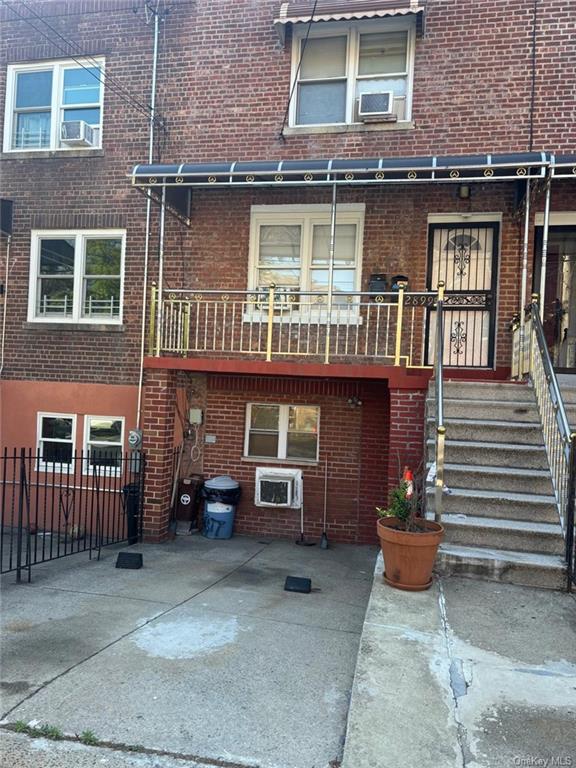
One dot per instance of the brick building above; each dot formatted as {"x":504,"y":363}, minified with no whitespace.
{"x":348,"y":157}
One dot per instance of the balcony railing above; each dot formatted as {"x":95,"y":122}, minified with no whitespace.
{"x":387,"y":328}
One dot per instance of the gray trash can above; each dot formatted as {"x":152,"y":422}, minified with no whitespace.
{"x":221,"y":496}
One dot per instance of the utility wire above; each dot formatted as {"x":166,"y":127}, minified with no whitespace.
{"x":295,"y":83}
{"x":90,"y":58}
{"x":134,"y":103}
{"x":133,"y":8}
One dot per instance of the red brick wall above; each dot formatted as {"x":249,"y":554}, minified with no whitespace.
{"x":352,"y":439}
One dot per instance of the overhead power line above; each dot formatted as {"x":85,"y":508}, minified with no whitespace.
{"x":120,"y":91}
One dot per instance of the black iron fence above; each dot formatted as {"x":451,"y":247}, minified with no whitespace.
{"x":79,"y":502}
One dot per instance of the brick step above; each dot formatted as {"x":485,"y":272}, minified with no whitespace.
{"x":525,"y":568}
{"x":497,"y":504}
{"x":536,"y":481}
{"x":515,"y":535}
{"x":491,"y":431}
{"x":467,"y":452}
{"x":497,"y":410}
{"x":485,"y":390}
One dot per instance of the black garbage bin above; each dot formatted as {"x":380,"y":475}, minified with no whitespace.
{"x":131,"y":503}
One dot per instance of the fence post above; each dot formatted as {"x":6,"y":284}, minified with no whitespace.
{"x":571,"y":500}
{"x":399,"y":319}
{"x":270,"y":322}
{"x":19,"y":533}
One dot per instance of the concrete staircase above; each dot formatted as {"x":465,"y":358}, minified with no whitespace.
{"x":500,"y":515}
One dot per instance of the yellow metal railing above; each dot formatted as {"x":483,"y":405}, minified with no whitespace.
{"x":277,"y":322}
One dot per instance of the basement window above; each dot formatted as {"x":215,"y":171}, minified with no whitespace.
{"x":55,"y":441}
{"x":282,"y":431}
{"x":104,"y":441}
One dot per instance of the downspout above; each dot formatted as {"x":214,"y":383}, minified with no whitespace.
{"x":148,"y":217}
{"x":545,"y":246}
{"x":524,"y":280}
{"x":5,"y":309}
{"x":160,"y":305}
{"x":331,"y":272}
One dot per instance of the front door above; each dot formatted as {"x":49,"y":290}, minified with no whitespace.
{"x":465,"y":257}
{"x":560,"y":294}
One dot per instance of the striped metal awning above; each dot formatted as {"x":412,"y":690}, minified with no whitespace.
{"x":300,"y":11}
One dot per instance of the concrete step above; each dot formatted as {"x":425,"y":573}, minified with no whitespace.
{"x":491,"y":431}
{"x":488,"y":478}
{"x":482,"y":453}
{"x":525,"y":568}
{"x":485,"y":390}
{"x":496,"y":410}
{"x":515,"y":535}
{"x":497,"y":504}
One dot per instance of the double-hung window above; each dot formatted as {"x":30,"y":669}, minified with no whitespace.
{"x":290,"y":248}
{"x":336,"y":65}
{"x":54,"y":105}
{"x":76,"y":276}
{"x":282,"y":431}
{"x":56,"y":434}
{"x":104,"y":441}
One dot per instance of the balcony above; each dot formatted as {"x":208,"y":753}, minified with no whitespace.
{"x":275,"y":324}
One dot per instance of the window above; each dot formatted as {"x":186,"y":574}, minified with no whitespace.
{"x":103,"y":442}
{"x":76,"y":276}
{"x":282,"y":431}
{"x":41,"y":97}
{"x":55,"y":441}
{"x":290,"y":247}
{"x":341,"y":62}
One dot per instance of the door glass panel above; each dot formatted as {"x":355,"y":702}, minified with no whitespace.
{"x":466,"y":338}
{"x":462,"y":258}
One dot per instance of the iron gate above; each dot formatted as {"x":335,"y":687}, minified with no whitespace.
{"x":80,"y":503}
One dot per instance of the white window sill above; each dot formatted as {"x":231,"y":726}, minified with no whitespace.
{"x":300,"y":130}
{"x":262,"y":460}
{"x":43,"y":154}
{"x":307,"y":319}
{"x":58,"y":325}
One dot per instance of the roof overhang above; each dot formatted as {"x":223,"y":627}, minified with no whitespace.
{"x":563,"y":166}
{"x":306,"y":11}
{"x":346,"y":172}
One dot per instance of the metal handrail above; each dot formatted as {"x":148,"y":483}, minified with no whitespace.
{"x":559,"y":440}
{"x":440,"y":427}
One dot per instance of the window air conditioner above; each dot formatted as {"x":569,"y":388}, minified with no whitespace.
{"x":76,"y":133}
{"x":278,"y":488}
{"x":376,"y":105}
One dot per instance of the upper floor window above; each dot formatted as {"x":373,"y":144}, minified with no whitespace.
{"x":290,"y":247}
{"x":353,"y":73}
{"x":76,"y":276}
{"x":54,"y":105}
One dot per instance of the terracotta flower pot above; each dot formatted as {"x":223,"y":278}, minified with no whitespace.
{"x":409,"y":555}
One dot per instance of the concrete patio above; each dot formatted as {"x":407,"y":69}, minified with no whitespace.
{"x":201,"y":654}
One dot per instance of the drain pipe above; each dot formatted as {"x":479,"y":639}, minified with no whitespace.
{"x":331,"y":272}
{"x":524,"y":281}
{"x":148,"y":217}
{"x":545,"y":246}
{"x":5,"y":309}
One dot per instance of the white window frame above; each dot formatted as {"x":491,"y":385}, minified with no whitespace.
{"x":80,"y":236}
{"x":305,"y":216}
{"x":353,"y":31}
{"x":109,"y":471}
{"x":43,"y":466}
{"x":282,"y":433}
{"x":57,"y":105}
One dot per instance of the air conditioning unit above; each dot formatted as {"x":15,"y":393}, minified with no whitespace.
{"x":278,"y":488}
{"x":378,"y":104}
{"x":76,"y":133}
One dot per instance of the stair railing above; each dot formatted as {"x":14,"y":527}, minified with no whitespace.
{"x":559,"y":439}
{"x":440,"y":435}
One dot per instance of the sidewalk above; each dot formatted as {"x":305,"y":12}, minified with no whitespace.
{"x":469,"y":673}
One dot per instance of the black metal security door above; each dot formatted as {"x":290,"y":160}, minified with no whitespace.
{"x":465,"y":257}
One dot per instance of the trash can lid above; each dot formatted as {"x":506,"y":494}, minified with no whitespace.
{"x":222,"y":483}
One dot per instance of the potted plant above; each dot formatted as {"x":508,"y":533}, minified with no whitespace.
{"x":409,"y":542}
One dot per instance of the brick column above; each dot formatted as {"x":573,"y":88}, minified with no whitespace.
{"x":407,"y":430}
{"x":158,"y":424}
